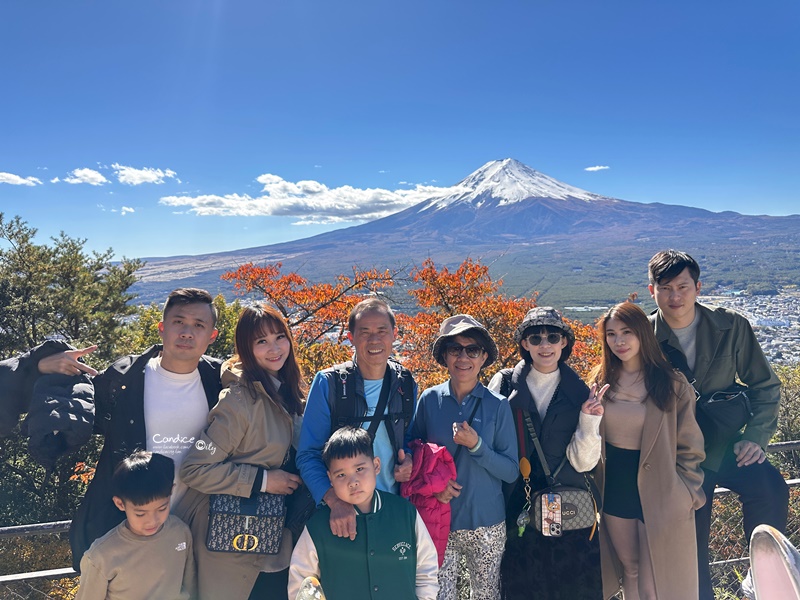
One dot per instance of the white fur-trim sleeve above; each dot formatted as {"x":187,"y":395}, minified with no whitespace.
{"x":583,"y":451}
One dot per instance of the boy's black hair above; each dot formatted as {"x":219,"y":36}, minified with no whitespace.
{"x":184,"y":296}
{"x":143,"y":477}
{"x":668,"y":264}
{"x":347,"y":442}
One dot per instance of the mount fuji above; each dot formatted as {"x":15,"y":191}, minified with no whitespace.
{"x":539,"y":234}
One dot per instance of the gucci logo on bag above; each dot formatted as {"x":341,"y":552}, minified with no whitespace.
{"x":568,"y":511}
{"x":245,"y":542}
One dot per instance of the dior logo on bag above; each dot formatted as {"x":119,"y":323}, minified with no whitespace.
{"x":251,"y":525}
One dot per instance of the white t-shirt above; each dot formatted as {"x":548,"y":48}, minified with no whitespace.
{"x":175,"y":413}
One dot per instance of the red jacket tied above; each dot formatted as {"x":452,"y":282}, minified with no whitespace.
{"x":433,"y":468}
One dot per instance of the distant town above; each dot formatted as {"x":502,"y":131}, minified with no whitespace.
{"x":775,"y":319}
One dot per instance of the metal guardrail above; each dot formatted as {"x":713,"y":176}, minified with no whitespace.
{"x":35,"y":529}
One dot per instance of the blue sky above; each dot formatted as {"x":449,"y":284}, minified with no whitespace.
{"x":184,"y":127}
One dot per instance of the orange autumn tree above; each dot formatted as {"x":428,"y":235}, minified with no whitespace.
{"x":470,"y":289}
{"x":316,"y":312}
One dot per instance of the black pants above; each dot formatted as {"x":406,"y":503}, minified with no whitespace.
{"x":271,"y":586}
{"x":764,"y":496}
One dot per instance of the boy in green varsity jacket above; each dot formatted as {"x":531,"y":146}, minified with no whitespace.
{"x":391,"y":555}
{"x":148,"y":555}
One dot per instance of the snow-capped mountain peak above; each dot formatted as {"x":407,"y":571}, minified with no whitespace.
{"x":509,"y":181}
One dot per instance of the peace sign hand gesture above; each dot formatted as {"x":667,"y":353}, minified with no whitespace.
{"x":594,"y":405}
{"x":67,"y":363}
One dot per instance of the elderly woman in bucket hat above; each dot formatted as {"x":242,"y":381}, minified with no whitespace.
{"x":544,"y":388}
{"x":476,"y":427}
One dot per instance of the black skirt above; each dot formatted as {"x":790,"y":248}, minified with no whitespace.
{"x":621,"y":496}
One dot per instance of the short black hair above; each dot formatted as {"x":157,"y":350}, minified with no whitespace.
{"x":184,"y":296}
{"x":347,"y":442}
{"x":371,"y":304}
{"x":668,"y":264}
{"x":143,"y":477}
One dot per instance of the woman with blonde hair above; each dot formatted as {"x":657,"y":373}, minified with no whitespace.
{"x":244,"y":451}
{"x":650,"y":474}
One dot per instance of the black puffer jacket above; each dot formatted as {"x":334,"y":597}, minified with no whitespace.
{"x":60,"y":416}
{"x":17,"y":378}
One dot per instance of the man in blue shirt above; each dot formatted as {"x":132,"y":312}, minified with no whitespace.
{"x":372,"y":330}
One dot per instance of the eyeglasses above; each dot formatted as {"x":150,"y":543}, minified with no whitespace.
{"x":535,"y":339}
{"x":473,"y":350}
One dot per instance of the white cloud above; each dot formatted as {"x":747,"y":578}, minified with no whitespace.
{"x":126,"y":210}
{"x":89,"y":176}
{"x":133,"y":176}
{"x":55,"y":180}
{"x":12,"y":179}
{"x":597,"y":168}
{"x":311,"y":202}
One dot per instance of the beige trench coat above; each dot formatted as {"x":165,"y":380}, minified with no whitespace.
{"x":670,"y":488}
{"x":243,"y":433}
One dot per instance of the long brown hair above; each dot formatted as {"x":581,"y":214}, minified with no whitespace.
{"x":659,"y":376}
{"x":254,"y":322}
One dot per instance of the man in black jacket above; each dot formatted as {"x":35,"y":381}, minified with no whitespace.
{"x":157,"y":401}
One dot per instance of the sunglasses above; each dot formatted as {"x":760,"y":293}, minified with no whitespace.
{"x":552,"y":338}
{"x":473,"y":350}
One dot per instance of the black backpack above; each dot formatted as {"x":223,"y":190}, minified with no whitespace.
{"x":341,"y":379}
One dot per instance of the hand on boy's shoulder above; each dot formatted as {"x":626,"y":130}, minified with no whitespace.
{"x":343,"y":516}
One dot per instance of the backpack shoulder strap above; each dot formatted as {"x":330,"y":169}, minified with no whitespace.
{"x":342,"y":394}
{"x":406,"y":390}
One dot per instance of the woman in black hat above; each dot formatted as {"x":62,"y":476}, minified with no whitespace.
{"x":476,"y":427}
{"x":547,"y":395}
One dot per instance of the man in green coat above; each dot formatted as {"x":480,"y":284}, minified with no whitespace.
{"x":716,"y":348}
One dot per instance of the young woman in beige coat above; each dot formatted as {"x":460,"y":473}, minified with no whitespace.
{"x":650,"y":474}
{"x":242,"y":450}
